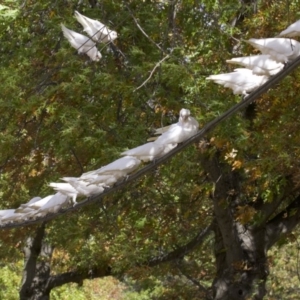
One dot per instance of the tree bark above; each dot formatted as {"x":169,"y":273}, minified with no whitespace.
{"x":241,"y":249}
{"x":37,"y":282}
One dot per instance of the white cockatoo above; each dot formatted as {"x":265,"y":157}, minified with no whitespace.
{"x":146,"y":152}
{"x":54,"y":203}
{"x":242,"y":81}
{"x":25,"y":207}
{"x":95,"y":29}
{"x":14,"y":216}
{"x":259,"y":64}
{"x":292,"y":31}
{"x":66,"y":189}
{"x":102,"y":180}
{"x":179,"y":132}
{"x":84,"y":188}
{"x":280,"y":49}
{"x":5,"y":214}
{"x":118,"y":168}
{"x":82,"y":43}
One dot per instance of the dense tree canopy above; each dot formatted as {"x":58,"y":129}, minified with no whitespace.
{"x":200,"y":225}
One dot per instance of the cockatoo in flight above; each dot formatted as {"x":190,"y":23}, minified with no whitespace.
{"x":95,"y":29}
{"x":82,"y":43}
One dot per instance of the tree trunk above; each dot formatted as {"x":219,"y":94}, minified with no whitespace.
{"x":37,"y":282}
{"x":36,"y":271}
{"x":241,"y":247}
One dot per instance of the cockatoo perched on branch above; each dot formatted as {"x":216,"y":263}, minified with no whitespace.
{"x":259,"y":64}
{"x":118,"y":168}
{"x":177,"y":133}
{"x":95,"y":29}
{"x":280,"y":49}
{"x":82,"y":43}
{"x":292,"y":31}
{"x":146,"y":152}
{"x":242,"y":81}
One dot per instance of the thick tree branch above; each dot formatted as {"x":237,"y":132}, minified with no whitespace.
{"x":283,"y":223}
{"x":78,"y":276}
{"x":32,"y":251}
{"x":181,"y":251}
{"x":204,"y":131}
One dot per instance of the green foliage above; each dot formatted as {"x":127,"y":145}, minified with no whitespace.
{"x":62,"y":114}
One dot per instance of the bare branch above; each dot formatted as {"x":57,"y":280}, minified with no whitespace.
{"x":156,"y":66}
{"x":141,"y":29}
{"x":78,"y":276}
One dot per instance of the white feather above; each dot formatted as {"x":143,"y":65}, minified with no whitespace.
{"x":259,"y":64}
{"x":95,"y":29}
{"x":280,"y":49}
{"x":241,"y":81}
{"x":81,"y":43}
{"x":291,"y":31}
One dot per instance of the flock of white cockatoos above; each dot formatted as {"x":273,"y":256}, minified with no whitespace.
{"x":258,"y":68}
{"x":94,"y":182}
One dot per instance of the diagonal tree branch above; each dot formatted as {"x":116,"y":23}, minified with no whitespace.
{"x":283,"y":223}
{"x":77,"y":276}
{"x":156,"y":66}
{"x":181,"y":251}
{"x":204,"y":131}
{"x":140,"y":27}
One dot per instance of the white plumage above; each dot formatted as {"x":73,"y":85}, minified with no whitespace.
{"x":95,"y":29}
{"x":280,"y":49}
{"x":66,"y":189}
{"x":5,"y":214}
{"x":84,"y":188}
{"x":259,"y":64}
{"x":54,"y":203}
{"x":146,"y":152}
{"x":102,"y":180}
{"x":242,"y":81}
{"x":177,"y":133}
{"x":82,"y":43}
{"x":118,"y":168}
{"x":291,"y":31}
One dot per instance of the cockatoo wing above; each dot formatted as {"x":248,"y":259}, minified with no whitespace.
{"x":66,"y":189}
{"x":240,"y":81}
{"x":54,"y":203}
{"x":280,"y":49}
{"x":81,"y":43}
{"x":120,"y":167}
{"x":95,"y":29}
{"x":291,"y":31}
{"x":6,"y":213}
{"x":146,"y":152}
{"x":83,"y":187}
{"x":259,"y":64}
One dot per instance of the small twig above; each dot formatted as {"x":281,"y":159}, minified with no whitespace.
{"x":156,"y":66}
{"x":193,"y":280}
{"x":141,"y":29}
{"x":77,"y":159}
